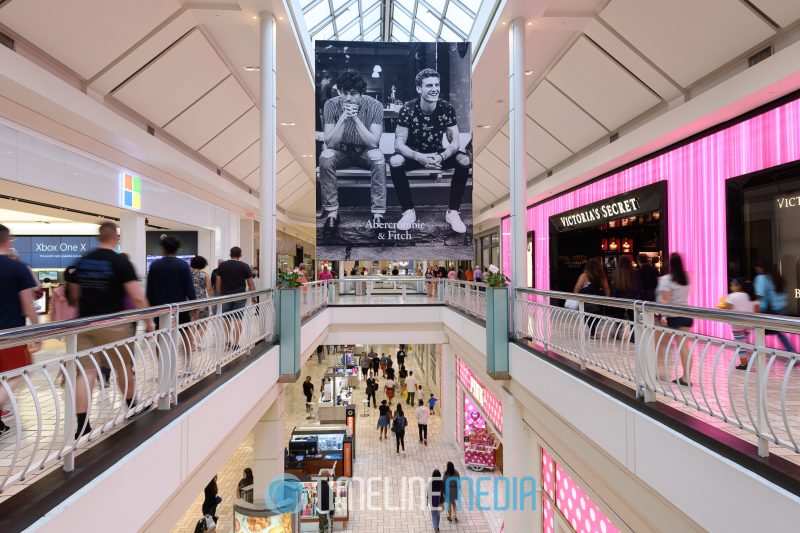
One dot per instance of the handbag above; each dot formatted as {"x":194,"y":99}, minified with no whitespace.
{"x":405,"y":394}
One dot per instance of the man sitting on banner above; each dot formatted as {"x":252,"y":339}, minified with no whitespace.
{"x":420,"y":142}
{"x":353,"y":128}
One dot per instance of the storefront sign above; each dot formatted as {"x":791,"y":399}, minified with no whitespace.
{"x":635,"y":202}
{"x":52,"y":251}
{"x":130,"y":191}
{"x":488,"y":402}
{"x":788,"y":201}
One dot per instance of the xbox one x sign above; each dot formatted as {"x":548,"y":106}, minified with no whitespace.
{"x":50,"y":251}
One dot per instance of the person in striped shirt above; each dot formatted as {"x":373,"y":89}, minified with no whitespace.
{"x":353,"y":128}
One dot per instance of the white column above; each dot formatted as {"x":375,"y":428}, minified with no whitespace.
{"x":449,"y":398}
{"x":132,"y":240}
{"x":268,"y":443}
{"x":520,"y":462}
{"x":247,"y":240}
{"x":268,"y":134}
{"x":518,"y":175}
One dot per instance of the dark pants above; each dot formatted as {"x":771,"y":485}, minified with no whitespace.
{"x":423,"y":432}
{"x":371,"y":397}
{"x":401,"y":439}
{"x":410,"y":399}
{"x":365,"y":371}
{"x":398,"y":165}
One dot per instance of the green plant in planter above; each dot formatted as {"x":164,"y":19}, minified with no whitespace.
{"x":495,"y":278}
{"x":289,"y":280}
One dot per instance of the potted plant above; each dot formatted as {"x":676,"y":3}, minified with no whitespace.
{"x":497,"y":365}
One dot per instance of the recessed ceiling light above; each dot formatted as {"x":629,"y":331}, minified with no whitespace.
{"x":503,"y":23}
{"x":484,"y":126}
{"x":307,"y":155}
{"x":280,"y":18}
{"x":287,"y":124}
{"x":530,"y":23}
{"x":252,"y":68}
{"x":255,"y":17}
{"x":529,"y":73}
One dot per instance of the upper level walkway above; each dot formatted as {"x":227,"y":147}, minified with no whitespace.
{"x":615,"y":347}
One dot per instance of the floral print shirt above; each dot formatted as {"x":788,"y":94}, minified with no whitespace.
{"x":426,"y":131}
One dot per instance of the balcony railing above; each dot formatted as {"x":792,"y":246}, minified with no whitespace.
{"x":147,"y":370}
{"x":628,"y":341}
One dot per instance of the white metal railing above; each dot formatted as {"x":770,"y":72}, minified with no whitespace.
{"x":314,"y":297}
{"x":146,"y":370}
{"x":468,"y":296}
{"x":369,"y":290}
{"x":629,"y":340}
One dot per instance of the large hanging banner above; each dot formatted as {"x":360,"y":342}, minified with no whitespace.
{"x":394,"y":150}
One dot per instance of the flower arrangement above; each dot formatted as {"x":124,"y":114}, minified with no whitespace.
{"x":289,"y":280}
{"x":495,"y":278}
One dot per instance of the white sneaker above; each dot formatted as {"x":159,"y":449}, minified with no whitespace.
{"x":407,"y":220}
{"x":454,"y":219}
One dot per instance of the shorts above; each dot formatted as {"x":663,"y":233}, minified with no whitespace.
{"x":676,"y":322}
{"x":14,"y":357}
{"x":118,"y":357}
{"x":234,"y":306}
{"x":365,"y":371}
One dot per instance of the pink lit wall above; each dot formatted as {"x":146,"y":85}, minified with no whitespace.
{"x":486,"y":400}
{"x":695,"y":175}
{"x":572,"y":503}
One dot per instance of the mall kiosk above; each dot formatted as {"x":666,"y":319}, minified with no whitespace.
{"x":336,"y":395}
{"x":328,"y":450}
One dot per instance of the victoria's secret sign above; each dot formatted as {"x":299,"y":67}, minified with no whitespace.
{"x":487,"y":401}
{"x":635,"y":202}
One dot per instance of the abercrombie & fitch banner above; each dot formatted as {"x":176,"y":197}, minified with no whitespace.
{"x":394,"y":150}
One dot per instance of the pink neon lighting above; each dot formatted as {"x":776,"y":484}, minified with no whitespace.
{"x":472,"y":416}
{"x":695,"y":175}
{"x":572,"y":503}
{"x":483,"y":396}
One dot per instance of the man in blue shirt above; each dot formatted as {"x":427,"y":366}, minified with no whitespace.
{"x":169,"y":280}
{"x":16,"y":303}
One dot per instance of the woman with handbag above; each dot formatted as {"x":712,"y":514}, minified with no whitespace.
{"x":399,"y":428}
{"x":673,"y":289}
{"x":771,"y":298}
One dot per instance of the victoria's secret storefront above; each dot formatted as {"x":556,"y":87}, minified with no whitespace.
{"x":695,"y":174}
{"x":627,"y":224}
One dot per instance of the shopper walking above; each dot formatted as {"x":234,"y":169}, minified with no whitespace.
{"x":647,"y":278}
{"x":325,"y":504}
{"x":376,"y":363}
{"x":233,"y":277}
{"x":364,"y":363}
{"x":673,"y":289}
{"x":435,"y":498}
{"x":423,"y":414}
{"x":388,"y":388}
{"x":169,"y":281}
{"x":214,"y":275}
{"x":399,"y":424}
{"x":593,"y":281}
{"x":211,"y":499}
{"x":477,"y":274}
{"x":372,"y":388}
{"x":403,"y":374}
{"x":384,"y":414}
{"x":741,"y":299}
{"x":411,"y":387}
{"x":202,"y":284}
{"x":103,"y":278}
{"x":384,"y":364}
{"x":401,"y":357}
{"x":769,"y":287}
{"x":308,"y":392}
{"x":16,"y":304}
{"x":244,"y":489}
{"x":432,"y":403}
{"x":452,"y":482}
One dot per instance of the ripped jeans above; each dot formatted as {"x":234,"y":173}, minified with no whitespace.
{"x":331,"y":160}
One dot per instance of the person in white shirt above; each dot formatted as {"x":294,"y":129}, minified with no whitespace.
{"x":742,"y":299}
{"x":423,"y":414}
{"x":411,"y":387}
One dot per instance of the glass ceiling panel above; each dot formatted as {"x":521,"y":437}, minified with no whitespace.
{"x":425,"y":20}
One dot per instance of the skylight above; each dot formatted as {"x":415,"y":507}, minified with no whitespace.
{"x":411,"y":20}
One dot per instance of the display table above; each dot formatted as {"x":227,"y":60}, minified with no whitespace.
{"x":480,"y":451}
{"x":315,"y":448}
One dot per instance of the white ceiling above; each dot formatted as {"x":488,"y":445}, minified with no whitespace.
{"x":598,"y":66}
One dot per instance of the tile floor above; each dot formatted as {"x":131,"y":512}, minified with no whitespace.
{"x":373,"y":458}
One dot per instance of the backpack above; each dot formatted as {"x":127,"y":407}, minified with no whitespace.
{"x":399,"y":424}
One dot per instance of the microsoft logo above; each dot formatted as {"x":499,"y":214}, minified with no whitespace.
{"x":131,"y":190}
